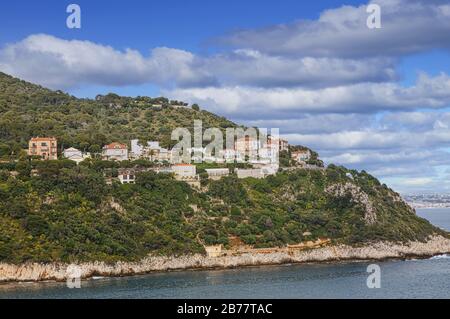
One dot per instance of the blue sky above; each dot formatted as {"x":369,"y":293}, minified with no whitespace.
{"x":368,"y":99}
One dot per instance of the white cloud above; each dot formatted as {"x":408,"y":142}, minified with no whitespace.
{"x":61,"y":64}
{"x":428,"y":92}
{"x":253,"y":68}
{"x":315,"y":123}
{"x":408,"y":26}
{"x":417,"y":181}
{"x":374,"y":139}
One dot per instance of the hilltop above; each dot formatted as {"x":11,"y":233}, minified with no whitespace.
{"x":56,"y":211}
{"x":28,"y":110}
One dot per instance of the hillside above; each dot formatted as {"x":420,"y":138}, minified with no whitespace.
{"x":57,"y":211}
{"x":28,"y":110}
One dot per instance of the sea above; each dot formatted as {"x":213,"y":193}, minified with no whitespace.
{"x":416,"y":278}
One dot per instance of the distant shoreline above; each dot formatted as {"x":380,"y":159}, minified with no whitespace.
{"x":381,"y":251}
{"x":428,"y":207}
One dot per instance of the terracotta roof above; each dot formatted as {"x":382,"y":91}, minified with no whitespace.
{"x":40,"y":139}
{"x":182,"y":164}
{"x":115,"y":145}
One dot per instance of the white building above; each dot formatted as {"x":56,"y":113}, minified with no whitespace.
{"x":247,"y":145}
{"x":197,"y":154}
{"x":277,"y":142}
{"x":301,"y":156}
{"x":268,"y":155}
{"x":184,"y":170}
{"x":252,"y":172}
{"x":74,"y":154}
{"x":115,"y":151}
{"x":136,"y":149}
{"x":268,"y":169}
{"x":230,"y":156}
{"x":217,"y":173}
{"x":186,"y":173}
{"x":127,"y":176}
{"x":152,"y":151}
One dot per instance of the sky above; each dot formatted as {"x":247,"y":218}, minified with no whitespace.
{"x":372,"y":99}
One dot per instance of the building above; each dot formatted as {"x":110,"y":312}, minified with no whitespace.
{"x":252,"y":172}
{"x":136,"y":149}
{"x":152,"y":151}
{"x":184,"y":170}
{"x":197,"y":154}
{"x":214,"y":251}
{"x":301,"y":156}
{"x":247,"y":145}
{"x":75,"y":155}
{"x":127,"y":175}
{"x":275,"y":142}
{"x":217,"y":173}
{"x":115,"y":151}
{"x":163,"y":155}
{"x":186,"y":173}
{"x":230,"y":155}
{"x":268,"y":169}
{"x":44,"y":147}
{"x":268,"y":155}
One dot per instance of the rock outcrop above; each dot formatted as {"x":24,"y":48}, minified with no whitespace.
{"x":358,"y":196}
{"x":377,"y":251}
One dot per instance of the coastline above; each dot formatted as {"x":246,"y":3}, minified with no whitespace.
{"x":36,"y":272}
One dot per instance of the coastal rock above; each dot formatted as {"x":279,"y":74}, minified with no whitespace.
{"x":377,"y":251}
{"x":358,"y":196}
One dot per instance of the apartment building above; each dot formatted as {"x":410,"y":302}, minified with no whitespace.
{"x":45,"y":147}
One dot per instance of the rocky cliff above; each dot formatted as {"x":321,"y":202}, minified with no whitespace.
{"x":377,"y":251}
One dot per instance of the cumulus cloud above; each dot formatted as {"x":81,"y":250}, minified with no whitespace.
{"x":408,"y":26}
{"x":253,"y":68}
{"x":374,"y":139}
{"x":316,"y":123}
{"x":60,"y":63}
{"x":428,"y":92}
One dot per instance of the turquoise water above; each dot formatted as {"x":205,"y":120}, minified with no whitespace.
{"x":428,"y":278}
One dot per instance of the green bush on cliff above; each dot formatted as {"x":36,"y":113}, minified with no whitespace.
{"x":71,"y":214}
{"x":57,"y":211}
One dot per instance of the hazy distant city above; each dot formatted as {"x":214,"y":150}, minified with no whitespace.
{"x":428,"y":200}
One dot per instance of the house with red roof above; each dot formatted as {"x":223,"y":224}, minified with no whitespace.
{"x":115,"y":151}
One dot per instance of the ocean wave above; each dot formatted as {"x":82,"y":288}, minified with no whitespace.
{"x":444,"y":256}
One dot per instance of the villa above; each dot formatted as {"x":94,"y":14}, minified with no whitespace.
{"x":279,"y":143}
{"x":301,"y":156}
{"x":186,"y":173}
{"x":75,"y":155}
{"x":44,"y":147}
{"x":127,"y":176}
{"x":217,"y":173}
{"x":115,"y":151}
{"x":152,"y":151}
{"x":184,"y":170}
{"x":252,"y":172}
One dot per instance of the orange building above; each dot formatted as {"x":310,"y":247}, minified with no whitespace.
{"x":45,"y":147}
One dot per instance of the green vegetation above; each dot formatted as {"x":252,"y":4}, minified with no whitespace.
{"x":61,"y":212}
{"x":57,"y":211}
{"x":28,"y":110}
